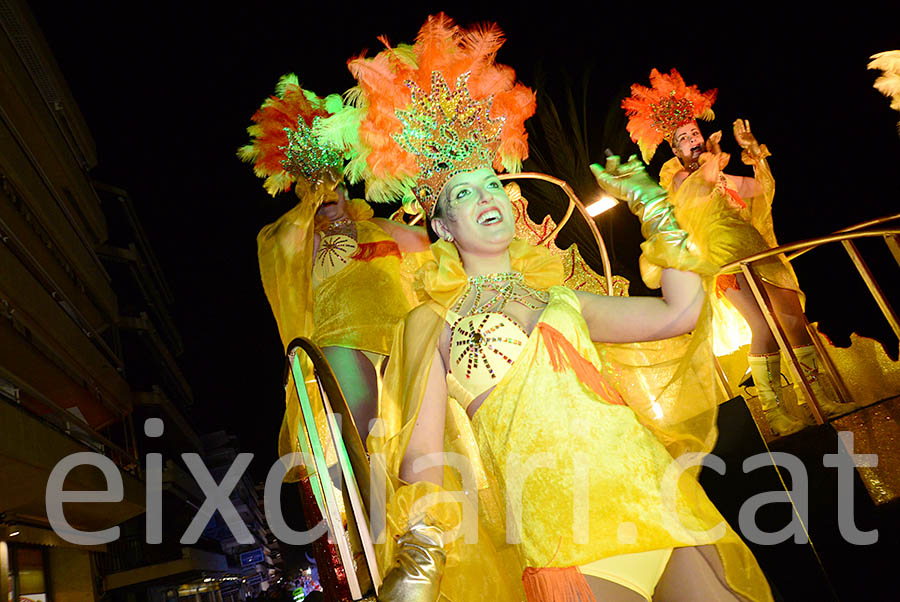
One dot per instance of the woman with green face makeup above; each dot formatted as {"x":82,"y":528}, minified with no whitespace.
{"x":512,"y":455}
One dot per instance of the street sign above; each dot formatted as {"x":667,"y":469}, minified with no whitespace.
{"x":252,"y":557}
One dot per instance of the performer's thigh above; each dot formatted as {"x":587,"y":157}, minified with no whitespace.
{"x":359,"y":383}
{"x":694,"y":573}
{"x":744,"y":301}
{"x":607,"y":590}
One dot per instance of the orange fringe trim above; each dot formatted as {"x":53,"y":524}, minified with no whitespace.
{"x":725,"y":282}
{"x":556,"y":584}
{"x":557,"y":346}
{"x":736,"y":199}
{"x":368,"y":251}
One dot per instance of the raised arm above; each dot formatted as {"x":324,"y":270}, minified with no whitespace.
{"x":409,"y":239}
{"x":634,"y":319}
{"x":666,"y":245}
{"x":754,"y":154}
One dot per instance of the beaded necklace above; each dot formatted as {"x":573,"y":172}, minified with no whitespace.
{"x":508,"y":286}
{"x":344,"y":226}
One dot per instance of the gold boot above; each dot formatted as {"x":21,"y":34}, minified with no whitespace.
{"x":766,"y":370}
{"x":418,"y":566}
{"x":808,"y":360}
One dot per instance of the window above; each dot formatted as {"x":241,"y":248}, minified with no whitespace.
{"x":28,"y":573}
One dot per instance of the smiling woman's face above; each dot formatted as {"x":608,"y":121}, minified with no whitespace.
{"x":687,"y":142}
{"x":475,"y":210}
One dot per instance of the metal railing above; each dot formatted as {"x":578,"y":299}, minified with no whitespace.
{"x":846,"y":237}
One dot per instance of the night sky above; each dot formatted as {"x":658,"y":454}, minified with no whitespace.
{"x":168,"y":89}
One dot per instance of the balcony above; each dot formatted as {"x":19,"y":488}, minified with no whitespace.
{"x":31,"y":446}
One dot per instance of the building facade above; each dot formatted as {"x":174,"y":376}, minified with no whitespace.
{"x":63,"y":384}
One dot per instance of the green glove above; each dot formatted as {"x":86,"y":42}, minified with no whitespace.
{"x":665,"y":244}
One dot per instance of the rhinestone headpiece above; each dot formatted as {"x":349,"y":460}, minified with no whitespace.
{"x":306,"y":156}
{"x":447,"y":133}
{"x":655,"y":113}
{"x":433,"y":109}
{"x":283,"y":146}
{"x":671,"y":113}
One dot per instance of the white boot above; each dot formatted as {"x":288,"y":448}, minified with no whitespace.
{"x":809,"y":363}
{"x":766,"y":370}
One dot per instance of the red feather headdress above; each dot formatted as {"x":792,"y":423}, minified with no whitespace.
{"x":655,"y":113}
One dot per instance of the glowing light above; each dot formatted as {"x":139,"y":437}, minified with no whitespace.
{"x":604,"y":203}
{"x":14,"y":533}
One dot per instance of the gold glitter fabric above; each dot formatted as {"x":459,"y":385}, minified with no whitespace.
{"x":876,"y":431}
{"x":866,"y":370}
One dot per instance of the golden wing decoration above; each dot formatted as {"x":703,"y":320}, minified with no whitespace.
{"x":578,"y":274}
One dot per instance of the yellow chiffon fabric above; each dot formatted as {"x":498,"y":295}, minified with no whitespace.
{"x":358,"y":307}
{"x":722,"y":233}
{"x":538,"y":413}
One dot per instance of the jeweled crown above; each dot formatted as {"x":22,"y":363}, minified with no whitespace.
{"x":655,"y":113}
{"x":448,"y":132}
{"x":671,"y":113}
{"x":283,"y":147}
{"x":307,"y":156}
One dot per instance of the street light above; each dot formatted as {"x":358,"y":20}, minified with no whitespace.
{"x":604,"y":203}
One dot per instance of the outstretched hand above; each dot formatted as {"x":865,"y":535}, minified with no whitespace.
{"x":713,"y":143}
{"x":743,"y":135}
{"x":624,"y":181}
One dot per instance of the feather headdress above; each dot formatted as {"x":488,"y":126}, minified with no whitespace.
{"x":283,"y":146}
{"x":434,"y":109}
{"x":889,"y":82}
{"x":655,"y":113}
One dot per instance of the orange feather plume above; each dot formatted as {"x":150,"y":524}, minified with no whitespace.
{"x":655,"y":113}
{"x":269,"y":133}
{"x":388,"y":80}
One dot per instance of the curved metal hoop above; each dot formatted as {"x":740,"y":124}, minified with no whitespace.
{"x":574,"y":203}
{"x":351,"y":456}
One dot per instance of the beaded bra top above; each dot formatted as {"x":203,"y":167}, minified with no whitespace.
{"x":337,"y":246}
{"x":485,"y":341}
